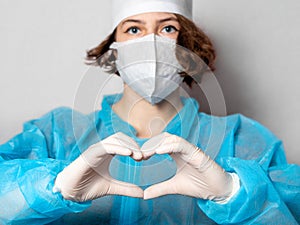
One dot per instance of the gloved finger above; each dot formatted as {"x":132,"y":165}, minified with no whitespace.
{"x":126,"y":189}
{"x":121,"y":139}
{"x":160,"y":189}
{"x":174,"y":148}
{"x":137,"y":155}
{"x":149,"y":147}
{"x":197,"y":159}
{"x":95,"y":155}
{"x":147,"y":154}
{"x":175,"y":143}
{"x":117,"y":149}
{"x":124,"y":150}
{"x":200,"y":160}
{"x":100,"y":149}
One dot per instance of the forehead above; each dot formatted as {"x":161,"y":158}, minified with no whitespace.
{"x":150,"y":17}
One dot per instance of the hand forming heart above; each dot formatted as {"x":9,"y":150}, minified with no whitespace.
{"x":197,"y":175}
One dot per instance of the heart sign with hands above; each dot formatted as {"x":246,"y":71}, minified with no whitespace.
{"x":88,"y":178}
{"x":197,"y":175}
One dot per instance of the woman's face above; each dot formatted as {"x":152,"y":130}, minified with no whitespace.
{"x":159,"y":23}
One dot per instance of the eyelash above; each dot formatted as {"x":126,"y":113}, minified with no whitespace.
{"x":129,"y":30}
{"x":172,"y":27}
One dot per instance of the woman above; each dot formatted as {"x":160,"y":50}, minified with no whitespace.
{"x":143,"y":159}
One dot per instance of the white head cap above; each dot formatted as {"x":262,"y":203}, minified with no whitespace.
{"x":122,"y":9}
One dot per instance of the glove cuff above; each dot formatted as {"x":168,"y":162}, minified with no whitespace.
{"x":235,"y":187}
{"x":56,"y":188}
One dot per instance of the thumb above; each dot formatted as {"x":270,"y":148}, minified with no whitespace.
{"x":160,"y":189}
{"x":126,"y":189}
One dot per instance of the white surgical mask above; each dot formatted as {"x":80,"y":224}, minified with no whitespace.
{"x":149,"y":66}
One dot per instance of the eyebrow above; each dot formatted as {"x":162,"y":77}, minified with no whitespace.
{"x":168,"y":19}
{"x":132,"y":21}
{"x":142,"y":22}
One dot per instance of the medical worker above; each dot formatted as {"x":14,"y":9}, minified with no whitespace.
{"x":148,"y":156}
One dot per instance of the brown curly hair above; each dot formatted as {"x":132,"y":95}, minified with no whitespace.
{"x":190,"y":37}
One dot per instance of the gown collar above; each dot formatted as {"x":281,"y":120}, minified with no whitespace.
{"x":183,"y":124}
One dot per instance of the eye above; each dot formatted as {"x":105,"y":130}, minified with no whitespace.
{"x":169,"y":29}
{"x":133,"y":30}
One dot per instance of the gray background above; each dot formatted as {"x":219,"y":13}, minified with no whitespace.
{"x":43,"y":44}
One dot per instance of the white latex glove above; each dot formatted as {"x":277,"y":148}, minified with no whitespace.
{"x":197,"y":175}
{"x":88,"y":178}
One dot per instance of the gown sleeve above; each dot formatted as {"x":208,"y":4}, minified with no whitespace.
{"x":270,"y":187}
{"x":29,"y":163}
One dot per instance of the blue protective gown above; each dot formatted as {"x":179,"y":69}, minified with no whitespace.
{"x":29,"y":163}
